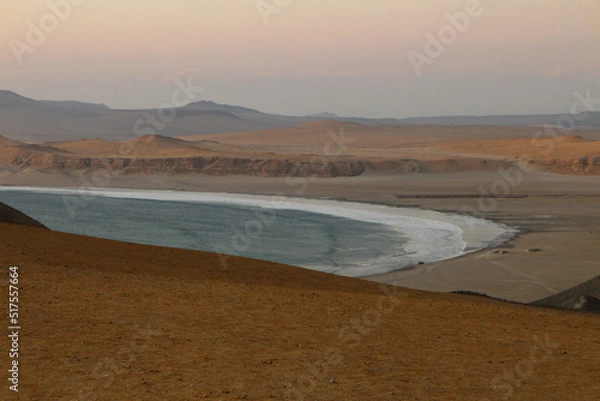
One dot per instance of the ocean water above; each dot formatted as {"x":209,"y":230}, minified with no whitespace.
{"x":343,"y":238}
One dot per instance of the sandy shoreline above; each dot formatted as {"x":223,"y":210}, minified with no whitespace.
{"x":556,"y":214}
{"x":431,"y":236}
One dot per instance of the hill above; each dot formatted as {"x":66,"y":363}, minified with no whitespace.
{"x":318,"y":148}
{"x":30,"y":120}
{"x":13,"y":216}
{"x":583,"y":297}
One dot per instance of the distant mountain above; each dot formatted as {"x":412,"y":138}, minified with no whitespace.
{"x":35,"y":121}
{"x":592,"y":120}
{"x":11,"y":99}
{"x":330,"y":116}
{"x":74,"y":105}
{"x":212,"y":106}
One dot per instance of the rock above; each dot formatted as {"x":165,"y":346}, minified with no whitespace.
{"x":535,"y":250}
{"x":213,"y":165}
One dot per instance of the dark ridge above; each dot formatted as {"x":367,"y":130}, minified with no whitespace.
{"x":457,"y":196}
{"x":205,"y":105}
{"x":12,"y":99}
{"x":587,"y":303}
{"x":472,"y":293}
{"x":584,"y":297}
{"x":68,"y":104}
{"x":13,"y":216}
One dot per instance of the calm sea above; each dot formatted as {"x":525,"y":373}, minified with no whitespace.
{"x":301,"y":238}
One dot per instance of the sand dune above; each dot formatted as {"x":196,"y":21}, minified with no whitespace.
{"x":87,"y":146}
{"x":7,"y":142}
{"x":325,"y":149}
{"x":159,"y":142}
{"x":540,"y":148}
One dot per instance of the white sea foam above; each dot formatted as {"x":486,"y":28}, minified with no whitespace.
{"x":432,"y":236}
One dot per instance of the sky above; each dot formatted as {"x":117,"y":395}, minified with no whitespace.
{"x":370,"y":58}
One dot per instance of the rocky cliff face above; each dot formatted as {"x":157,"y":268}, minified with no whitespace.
{"x":214,"y":165}
{"x":30,"y":156}
{"x":582,"y":166}
{"x":567,"y":166}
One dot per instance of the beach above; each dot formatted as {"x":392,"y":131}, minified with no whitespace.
{"x":555,"y":213}
{"x":347,"y":238}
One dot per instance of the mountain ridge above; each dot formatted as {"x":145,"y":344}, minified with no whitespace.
{"x":29,"y":120}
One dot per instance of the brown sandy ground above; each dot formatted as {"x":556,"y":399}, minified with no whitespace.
{"x":103,"y":320}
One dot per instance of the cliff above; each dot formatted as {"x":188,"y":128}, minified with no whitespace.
{"x":213,"y":165}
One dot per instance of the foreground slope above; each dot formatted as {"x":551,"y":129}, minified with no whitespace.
{"x":105,"y":320}
{"x":12,"y":216}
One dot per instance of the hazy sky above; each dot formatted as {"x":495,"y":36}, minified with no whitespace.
{"x":350,"y":57}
